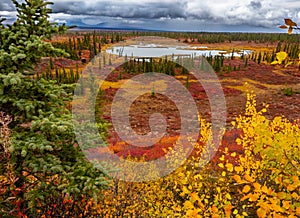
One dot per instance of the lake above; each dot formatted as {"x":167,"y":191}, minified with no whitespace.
{"x":156,"y":50}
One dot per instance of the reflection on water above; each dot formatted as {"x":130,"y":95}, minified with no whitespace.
{"x":156,"y":50}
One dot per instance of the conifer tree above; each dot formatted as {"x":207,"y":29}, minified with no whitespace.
{"x":45,"y":161}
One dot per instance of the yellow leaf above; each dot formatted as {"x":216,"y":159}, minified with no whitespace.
{"x":185,"y":190}
{"x":224,"y":173}
{"x":229,"y":167}
{"x":295,"y":195}
{"x":181,"y":174}
{"x":178,"y":208}
{"x":249,"y":178}
{"x":193,"y":213}
{"x":226,"y":150}
{"x":245,"y":214}
{"x":222,"y":158}
{"x":281,"y":195}
{"x":291,"y":188}
{"x":276,"y":208}
{"x":290,"y":31}
{"x":254,"y":197}
{"x":235,"y":212}
{"x":295,"y":179}
{"x":233,"y":154}
{"x":214,"y":209}
{"x":264,"y":110}
{"x":233,"y":123}
{"x":281,"y":56}
{"x":237,"y":178}
{"x":288,"y":64}
{"x":221,"y":165}
{"x":228,"y":196}
{"x":286,"y":204}
{"x":274,"y":62}
{"x":298,"y":211}
{"x":227,"y":210}
{"x":188,"y":205}
{"x":256,"y":186}
{"x":265,"y":189}
{"x":246,"y":189}
{"x":238,"y":169}
{"x":194,"y":196}
{"x":261,"y":213}
{"x":238,"y":141}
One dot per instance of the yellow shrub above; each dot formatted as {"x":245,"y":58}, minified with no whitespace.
{"x":264,"y":182}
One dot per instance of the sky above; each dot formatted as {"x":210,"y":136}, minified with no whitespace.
{"x":172,"y":15}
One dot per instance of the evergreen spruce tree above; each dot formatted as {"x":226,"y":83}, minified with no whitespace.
{"x":46,"y":164}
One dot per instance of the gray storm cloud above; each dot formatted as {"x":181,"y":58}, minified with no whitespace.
{"x":167,"y":13}
{"x":147,"y":10}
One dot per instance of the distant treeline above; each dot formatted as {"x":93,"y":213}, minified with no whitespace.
{"x":202,"y":37}
{"x":205,"y":37}
{"x":212,"y":37}
{"x":92,"y":40}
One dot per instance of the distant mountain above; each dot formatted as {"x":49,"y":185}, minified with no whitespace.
{"x":116,"y":28}
{"x":105,"y":26}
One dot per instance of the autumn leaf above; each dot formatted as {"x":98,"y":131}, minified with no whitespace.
{"x":222,"y":158}
{"x":188,"y":205}
{"x":291,"y":188}
{"x":227,"y":210}
{"x":193,"y":213}
{"x":237,"y":178}
{"x":238,"y":169}
{"x":249,"y":178}
{"x":280,"y":56}
{"x":283,"y":27}
{"x":229,"y":167}
{"x":265,"y":189}
{"x":289,"y":22}
{"x":298,"y":211}
{"x":286,"y":204}
{"x":246,"y":189}
{"x":289,"y":63}
{"x":233,"y":154}
{"x":254,"y":197}
{"x":195,"y":197}
{"x":257,"y":186}
{"x":221,"y":165}
{"x":261,"y":213}
{"x":185,"y":190}
{"x":290,"y":31}
{"x":214,"y":209}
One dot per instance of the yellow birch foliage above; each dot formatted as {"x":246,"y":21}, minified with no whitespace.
{"x":264,"y":182}
{"x":269,"y":182}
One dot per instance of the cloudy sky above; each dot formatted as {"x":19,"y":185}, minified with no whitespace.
{"x":173,"y":15}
